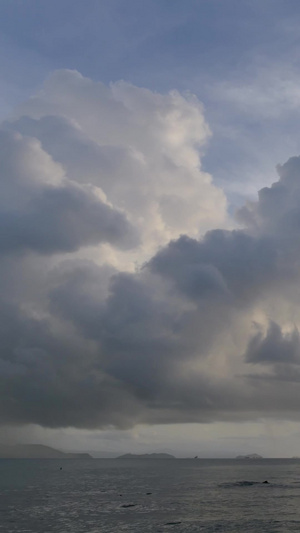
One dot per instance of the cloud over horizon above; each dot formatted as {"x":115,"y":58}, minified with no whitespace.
{"x":125,"y":297}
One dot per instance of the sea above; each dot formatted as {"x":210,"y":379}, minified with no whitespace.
{"x":149,"y":495}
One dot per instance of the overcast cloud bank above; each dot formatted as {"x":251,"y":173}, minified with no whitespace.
{"x":121,"y":303}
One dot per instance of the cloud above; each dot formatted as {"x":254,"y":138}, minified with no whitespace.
{"x":274,"y":347}
{"x":121,"y":303}
{"x":141,"y":148}
{"x":269,"y":89}
{"x":43,"y":211}
{"x":225,"y":264}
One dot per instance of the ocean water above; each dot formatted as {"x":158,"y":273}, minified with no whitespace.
{"x":186,"y":495}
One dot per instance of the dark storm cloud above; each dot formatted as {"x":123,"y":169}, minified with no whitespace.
{"x":223,"y":264}
{"x":62,"y":219}
{"x":274,"y":347}
{"x":50,"y":378}
{"x":277,"y":212}
{"x":136,"y":330}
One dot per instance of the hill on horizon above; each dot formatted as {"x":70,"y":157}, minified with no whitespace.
{"x":147,"y":456}
{"x":37,"y":451}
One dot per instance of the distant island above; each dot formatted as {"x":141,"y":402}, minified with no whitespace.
{"x":146,"y":456}
{"x":250,"y":456}
{"x":37,"y":451}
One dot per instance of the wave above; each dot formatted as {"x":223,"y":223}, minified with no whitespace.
{"x":243,"y":484}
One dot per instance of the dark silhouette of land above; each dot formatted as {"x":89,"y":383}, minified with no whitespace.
{"x":147,"y":456}
{"x":250,"y":456}
{"x":37,"y":451}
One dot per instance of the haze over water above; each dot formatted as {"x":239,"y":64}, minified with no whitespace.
{"x":184,"y":495}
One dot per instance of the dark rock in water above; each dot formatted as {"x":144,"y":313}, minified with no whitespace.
{"x":126,"y":505}
{"x":148,"y":493}
{"x":60,"y":468}
{"x":266,"y":482}
{"x":172,"y":523}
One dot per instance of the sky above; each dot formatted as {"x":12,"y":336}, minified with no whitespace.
{"x":150,"y":216}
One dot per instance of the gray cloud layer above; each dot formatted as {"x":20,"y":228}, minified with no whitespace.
{"x":202,"y":331}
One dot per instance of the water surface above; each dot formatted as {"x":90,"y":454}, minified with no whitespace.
{"x":110,"y":496}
